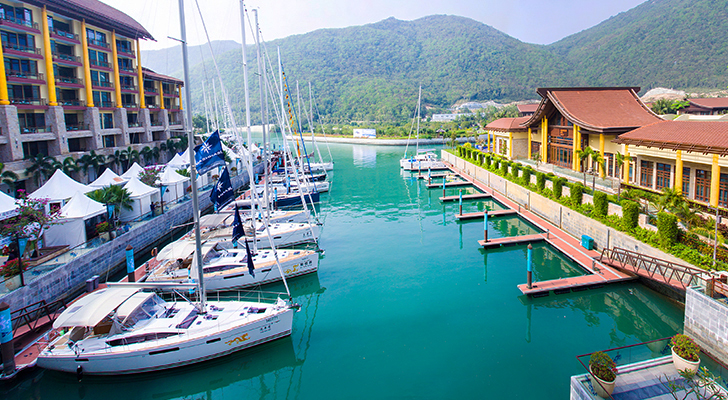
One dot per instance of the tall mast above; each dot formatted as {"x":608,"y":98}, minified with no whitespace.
{"x":263,"y":111}
{"x":419,"y":99}
{"x":204,"y":100}
{"x":283,"y":118}
{"x":191,"y":147}
{"x":251,"y":176}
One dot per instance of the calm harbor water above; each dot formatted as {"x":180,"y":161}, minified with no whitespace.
{"x":406,"y":305}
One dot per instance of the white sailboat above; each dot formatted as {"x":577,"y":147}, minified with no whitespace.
{"x":124,"y":329}
{"x":425,"y":159}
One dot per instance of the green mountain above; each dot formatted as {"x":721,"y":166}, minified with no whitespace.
{"x":372,"y":72}
{"x":169,"y":61}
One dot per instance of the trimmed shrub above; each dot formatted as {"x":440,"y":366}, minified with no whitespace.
{"x":540,"y":181}
{"x":577,"y":194}
{"x":527,"y":176}
{"x":558,"y":187}
{"x":496,"y":164}
{"x":630,"y":215}
{"x":667,"y":230}
{"x":504,"y":168}
{"x":601,"y":204}
{"x":515,"y":167}
{"x":488,"y":160}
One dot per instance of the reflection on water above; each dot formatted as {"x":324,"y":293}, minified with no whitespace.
{"x":510,"y":225}
{"x":364,"y":156}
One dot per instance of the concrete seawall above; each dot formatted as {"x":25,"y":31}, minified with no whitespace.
{"x":385,"y":142}
{"x":71,"y":278}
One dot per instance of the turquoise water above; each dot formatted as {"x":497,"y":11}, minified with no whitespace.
{"x":406,"y":305}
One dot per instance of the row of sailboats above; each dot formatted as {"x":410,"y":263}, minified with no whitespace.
{"x":178,"y":316}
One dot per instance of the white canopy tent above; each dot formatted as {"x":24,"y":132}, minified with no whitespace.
{"x":70,"y":228}
{"x":132,"y":172}
{"x":108,"y":178}
{"x":179,"y":162}
{"x":8,"y":207}
{"x":58,"y":189}
{"x":175,"y":184}
{"x":142,"y":198}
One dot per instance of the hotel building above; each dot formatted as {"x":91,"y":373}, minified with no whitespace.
{"x":71,"y":81}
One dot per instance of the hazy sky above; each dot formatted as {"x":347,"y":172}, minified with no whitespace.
{"x":533,"y":21}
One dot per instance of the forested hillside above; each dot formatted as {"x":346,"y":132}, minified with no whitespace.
{"x":372,"y":72}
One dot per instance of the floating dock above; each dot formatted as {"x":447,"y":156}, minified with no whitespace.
{"x":497,"y":242}
{"x":573,"y":284}
{"x":433,"y":176}
{"x":449,"y":184}
{"x":474,"y":196}
{"x":479,"y":215}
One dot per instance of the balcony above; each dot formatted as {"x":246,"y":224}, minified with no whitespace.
{"x":130,"y":104}
{"x":69,"y":81}
{"x":24,"y":76}
{"x":64,"y":36}
{"x":68,"y":59}
{"x":127,"y":70}
{"x":98,"y":43}
{"x":148,"y":89}
{"x":157,"y":123}
{"x":135,"y":124}
{"x":19,"y":24}
{"x":125,"y":51}
{"x":29,"y":101}
{"x":152,"y":105}
{"x":71,"y":103}
{"x":102,"y":84}
{"x":128,"y":87}
{"x":105,"y":104}
{"x":77,"y":127}
{"x":35,"y":129}
{"x":100,"y":64}
{"x":20,"y":50}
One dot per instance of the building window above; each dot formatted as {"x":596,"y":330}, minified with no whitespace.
{"x":132,"y":119}
{"x":76,"y":144}
{"x":32,"y":122}
{"x":18,"y":41}
{"x":107,"y":121}
{"x":646,"y":173}
{"x":663,"y":176}
{"x":109,"y":141}
{"x":18,"y":15}
{"x":124,"y":46}
{"x":102,"y":99}
{"x":96,"y":38}
{"x":686,"y":181}
{"x":702,"y":185}
{"x":723,"y":193}
{"x":101,"y":79}
{"x":609,"y":163}
{"x":31,"y":149}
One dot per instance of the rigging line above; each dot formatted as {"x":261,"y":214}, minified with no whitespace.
{"x":412,"y":127}
{"x":323,"y":131}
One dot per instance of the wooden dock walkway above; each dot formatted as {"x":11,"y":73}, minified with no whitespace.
{"x":449,"y":184}
{"x":598,"y":273}
{"x":474,"y":196}
{"x":479,"y":215}
{"x":433,"y":176}
{"x":497,"y":242}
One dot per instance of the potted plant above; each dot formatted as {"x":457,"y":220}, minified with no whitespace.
{"x":685,"y":353}
{"x":103,"y":229}
{"x":603,"y":373}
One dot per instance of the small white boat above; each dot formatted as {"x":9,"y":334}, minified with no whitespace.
{"x":423,"y":161}
{"x":125,"y":330}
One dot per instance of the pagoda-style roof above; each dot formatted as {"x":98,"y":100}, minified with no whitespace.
{"x":97,"y":14}
{"x":508,"y":124}
{"x":604,"y":110}
{"x":148,"y":73}
{"x":711,"y":103}
{"x":527,"y":108}
{"x":707,"y":137}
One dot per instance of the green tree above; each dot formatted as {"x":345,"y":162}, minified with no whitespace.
{"x":114,"y":195}
{"x":8,"y":177}
{"x":41,"y":166}
{"x":146,"y":154}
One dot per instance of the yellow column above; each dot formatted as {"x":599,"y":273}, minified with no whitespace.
{"x":115,"y":62}
{"x":161,"y":95}
{"x":625,"y":168}
{"x":86,"y":66}
{"x":575,"y":162}
{"x":4,"y":98}
{"x":140,"y":77}
{"x":602,"y":172}
{"x":678,"y":172}
{"x":178,"y":91}
{"x":544,"y":140}
{"x":714,"y":182}
{"x":510,"y":145}
{"x":48,"y":59}
{"x":529,"y":142}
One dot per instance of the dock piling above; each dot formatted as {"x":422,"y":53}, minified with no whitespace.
{"x":444,"y":179}
{"x":529,"y":267}
{"x":130,"y":263}
{"x":429,"y":175}
{"x":485,"y":225}
{"x":6,"y":339}
{"x":461,"y":202}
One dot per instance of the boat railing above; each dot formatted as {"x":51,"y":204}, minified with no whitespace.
{"x":256,"y":296}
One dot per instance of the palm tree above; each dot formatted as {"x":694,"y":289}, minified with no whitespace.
{"x":133,"y":155}
{"x":686,"y":214}
{"x":596,"y":157}
{"x":146,"y":154}
{"x":91,"y":162}
{"x":70,"y":166}
{"x":114,"y":195}
{"x":155,"y":153}
{"x":8,"y":177}
{"x":114,"y":160}
{"x":171,"y":148}
{"x":41,"y":165}
{"x":619,"y":160}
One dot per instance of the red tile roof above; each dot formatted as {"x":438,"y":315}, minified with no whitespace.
{"x":508,"y":124}
{"x":717,"y":102}
{"x":708,"y":137}
{"x":97,"y":14}
{"x":148,"y":73}
{"x":527,"y":108}
{"x":596,"y":109}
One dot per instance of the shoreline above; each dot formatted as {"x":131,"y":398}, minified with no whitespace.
{"x":384,"y":142}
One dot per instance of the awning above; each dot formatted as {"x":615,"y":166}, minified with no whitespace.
{"x":92,"y":308}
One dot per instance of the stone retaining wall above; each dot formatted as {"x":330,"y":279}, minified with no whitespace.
{"x":570,"y":221}
{"x":71,"y":278}
{"x":706,"y":321}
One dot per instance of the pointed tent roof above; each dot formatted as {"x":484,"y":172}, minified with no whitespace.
{"x":170,"y":177}
{"x":230,"y":152}
{"x":138,"y":189}
{"x":133,"y":171}
{"x":178,"y":162}
{"x":8,"y":207}
{"x":59,"y":187}
{"x":81,"y":206}
{"x":108,"y":178}
{"x":186,"y":154}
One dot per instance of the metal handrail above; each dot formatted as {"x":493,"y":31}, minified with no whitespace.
{"x":31,"y":314}
{"x":656,"y":267}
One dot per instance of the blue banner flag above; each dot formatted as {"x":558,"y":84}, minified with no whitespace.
{"x":222,"y":193}
{"x":210,"y":154}
{"x":238,"y":230}
{"x":251,"y":267}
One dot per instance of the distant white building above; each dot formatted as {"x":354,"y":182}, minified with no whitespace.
{"x":365,"y":133}
{"x":444,"y":117}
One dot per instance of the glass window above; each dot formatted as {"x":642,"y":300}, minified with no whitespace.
{"x":686,"y":181}
{"x":663,"y":176}
{"x":646,"y":173}
{"x":702,"y":185}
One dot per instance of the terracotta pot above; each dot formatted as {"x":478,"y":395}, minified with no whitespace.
{"x":682,"y":364}
{"x":606,"y":388}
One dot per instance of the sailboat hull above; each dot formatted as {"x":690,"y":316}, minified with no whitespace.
{"x":242,"y":279}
